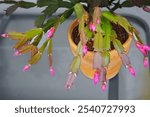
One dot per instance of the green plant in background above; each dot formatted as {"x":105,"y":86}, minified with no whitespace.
{"x":94,"y":24}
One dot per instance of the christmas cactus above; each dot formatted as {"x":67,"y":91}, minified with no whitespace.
{"x":93,"y":24}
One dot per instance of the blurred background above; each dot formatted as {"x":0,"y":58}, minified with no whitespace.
{"x":37,"y":82}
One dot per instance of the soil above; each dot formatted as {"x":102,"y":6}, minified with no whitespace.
{"x":122,"y":35}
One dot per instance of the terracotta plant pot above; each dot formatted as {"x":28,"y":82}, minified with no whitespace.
{"x":87,"y":60}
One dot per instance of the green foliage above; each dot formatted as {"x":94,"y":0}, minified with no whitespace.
{"x":98,"y":42}
{"x":105,"y":58}
{"x":30,"y":34}
{"x":75,"y":65}
{"x":88,"y":33}
{"x":78,"y":8}
{"x":16,"y":35}
{"x":50,"y":47}
{"x":108,"y":15}
{"x":35,"y":58}
{"x":40,"y":20}
{"x":106,"y":27}
{"x":42,"y":48}
{"x":118,"y":45}
{"x":79,"y":49}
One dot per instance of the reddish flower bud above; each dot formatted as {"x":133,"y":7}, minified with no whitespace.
{"x":145,"y":62}
{"x":51,"y":32}
{"x":98,"y":21}
{"x":146,"y":8}
{"x":96,"y":78}
{"x":146,"y":47}
{"x":17,"y":53}
{"x":103,"y":86}
{"x":52,"y":71}
{"x":4,"y":35}
{"x":92,"y":27}
{"x":84,"y":49}
{"x":26,"y":68}
{"x":132,"y":71}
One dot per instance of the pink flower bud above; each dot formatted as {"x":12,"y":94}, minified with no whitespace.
{"x":146,"y":8}
{"x":17,"y":53}
{"x":146,"y":47}
{"x":92,"y":27}
{"x":70,"y":80}
{"x":98,"y":21}
{"x":103,"y":86}
{"x":84,"y":49}
{"x":144,"y":52}
{"x":138,"y":45}
{"x":4,"y":35}
{"x":145,"y":62}
{"x":52,"y":71}
{"x":26,"y":68}
{"x":51,"y":32}
{"x":132,"y":71}
{"x":96,"y":78}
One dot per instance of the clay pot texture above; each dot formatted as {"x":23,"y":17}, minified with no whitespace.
{"x":87,"y":61}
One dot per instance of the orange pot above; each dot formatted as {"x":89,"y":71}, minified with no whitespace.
{"x":87,"y":60}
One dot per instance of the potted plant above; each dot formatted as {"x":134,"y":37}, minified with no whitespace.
{"x":99,"y":39}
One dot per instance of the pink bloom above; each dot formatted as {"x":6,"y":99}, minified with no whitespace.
{"x":92,"y":27}
{"x":138,"y":45}
{"x":84,"y":49}
{"x":4,"y":35}
{"x":103,"y":86}
{"x":146,"y":8}
{"x":146,"y":47}
{"x":143,"y":48}
{"x":26,"y":68}
{"x":70,"y":81}
{"x":51,"y":32}
{"x":132,"y":71}
{"x":144,"y":52}
{"x":96,"y":78}
{"x":98,"y":21}
{"x":52,"y":71}
{"x":145,"y":62}
{"x":17,"y":53}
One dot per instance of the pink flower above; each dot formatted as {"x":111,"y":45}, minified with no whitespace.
{"x":143,"y":48}
{"x":132,"y":71}
{"x":52,"y":71}
{"x":4,"y":35}
{"x":103,"y":86}
{"x":51,"y":32}
{"x":145,"y":62}
{"x":146,"y":47}
{"x":98,"y":21}
{"x":84,"y":49}
{"x":26,"y":68}
{"x":17,"y":53}
{"x":92,"y":27}
{"x":146,"y":8}
{"x":70,"y":81}
{"x":96,"y":78}
{"x":139,"y":45}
